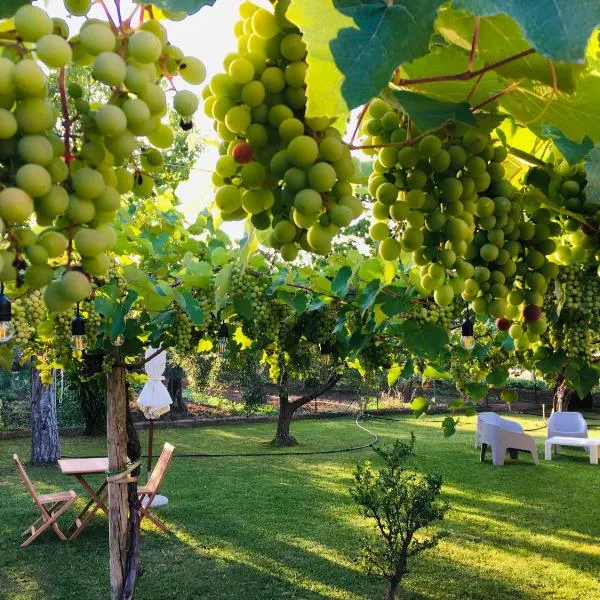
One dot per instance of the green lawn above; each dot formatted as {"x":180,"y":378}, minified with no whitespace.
{"x":285,"y":527}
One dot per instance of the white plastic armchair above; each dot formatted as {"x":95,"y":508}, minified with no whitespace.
{"x":492,"y":417}
{"x":501,"y":439}
{"x":567,"y":424}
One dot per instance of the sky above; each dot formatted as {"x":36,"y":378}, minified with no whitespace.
{"x":209,"y":36}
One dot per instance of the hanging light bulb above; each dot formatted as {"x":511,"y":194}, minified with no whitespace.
{"x":223,"y":335}
{"x":78,"y":337}
{"x":467,"y":334}
{"x":326,"y":350}
{"x":7,"y":329}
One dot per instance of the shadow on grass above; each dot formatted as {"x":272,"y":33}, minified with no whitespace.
{"x":286,"y":527}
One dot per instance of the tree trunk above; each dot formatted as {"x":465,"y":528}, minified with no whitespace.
{"x":560,"y":398}
{"x":175,"y":388}
{"x":116,"y":403}
{"x":286,"y":410}
{"x":45,"y":443}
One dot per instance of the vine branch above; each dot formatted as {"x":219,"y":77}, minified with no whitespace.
{"x":465,"y":75}
{"x":474,"y":43}
{"x":62,"y":89}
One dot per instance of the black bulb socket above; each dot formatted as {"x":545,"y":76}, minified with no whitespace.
{"x":78,"y":326}
{"x":223,"y":331}
{"x":467,"y":328}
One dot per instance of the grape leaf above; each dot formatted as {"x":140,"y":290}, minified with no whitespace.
{"x":449,"y":426}
{"x":341,"y":282}
{"x":394,"y":374}
{"x":497,"y":377}
{"x":187,"y":6}
{"x":557,"y":29}
{"x":9,"y":7}
{"x":422,"y":339}
{"x":500,"y":37}
{"x":243,"y":308}
{"x":551,"y":364}
{"x":443,"y":60}
{"x":298,"y":302}
{"x":118,"y":322}
{"x":477,"y":391}
{"x":572,"y":152}
{"x":592,"y":172}
{"x":348,"y":39}
{"x":368,"y":295}
{"x":192,"y":307}
{"x":429,"y":113}
{"x":419,"y":405}
{"x":574,"y":114}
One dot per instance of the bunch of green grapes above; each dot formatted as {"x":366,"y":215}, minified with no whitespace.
{"x":580,"y":296}
{"x":206,"y":299}
{"x":182,"y":332}
{"x":576,"y":233}
{"x":93,"y":321}
{"x":377,"y":354}
{"x":27,"y":313}
{"x":444,"y":201}
{"x":444,"y":316}
{"x":71,"y":175}
{"x":317,"y":326}
{"x":61,"y":345}
{"x":108,"y":361}
{"x":288,"y":173}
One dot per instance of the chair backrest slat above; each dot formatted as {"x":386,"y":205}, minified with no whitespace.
{"x":25,"y":478}
{"x":160,"y":470}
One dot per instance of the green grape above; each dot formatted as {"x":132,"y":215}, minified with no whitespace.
{"x":33,"y":179}
{"x":144,"y":47}
{"x":111,"y":120}
{"x":53,"y":51}
{"x":109,"y":68}
{"x":35,"y":149}
{"x":192,"y":70}
{"x":32,"y":23}
{"x":322,"y":177}
{"x":97,"y":38}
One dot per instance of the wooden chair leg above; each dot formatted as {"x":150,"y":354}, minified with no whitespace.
{"x":144,"y":512}
{"x":49,"y":520}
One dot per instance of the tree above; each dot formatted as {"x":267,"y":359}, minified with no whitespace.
{"x":401,"y":503}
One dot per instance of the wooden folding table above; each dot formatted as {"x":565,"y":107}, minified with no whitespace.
{"x":79,"y":468}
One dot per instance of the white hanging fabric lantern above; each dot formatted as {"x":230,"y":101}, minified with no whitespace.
{"x":154,"y":399}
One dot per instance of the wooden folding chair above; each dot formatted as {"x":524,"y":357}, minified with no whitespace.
{"x":58,"y":503}
{"x":148,"y":492}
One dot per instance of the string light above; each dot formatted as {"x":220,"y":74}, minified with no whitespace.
{"x":467,"y":334}
{"x":78,"y":337}
{"x":326,"y":350}
{"x":223,"y":335}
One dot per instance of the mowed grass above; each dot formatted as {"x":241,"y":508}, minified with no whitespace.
{"x":285,"y":526}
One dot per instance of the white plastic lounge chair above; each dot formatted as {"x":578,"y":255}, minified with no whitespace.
{"x":500,"y":438}
{"x":567,"y":424}
{"x":492,"y":417}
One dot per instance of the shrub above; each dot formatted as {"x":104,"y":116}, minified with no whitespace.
{"x":400,"y":502}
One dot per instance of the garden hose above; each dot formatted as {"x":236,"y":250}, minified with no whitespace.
{"x":374,"y":441}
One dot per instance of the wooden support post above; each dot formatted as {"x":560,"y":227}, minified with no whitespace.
{"x":150,"y":441}
{"x":116,"y":404}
